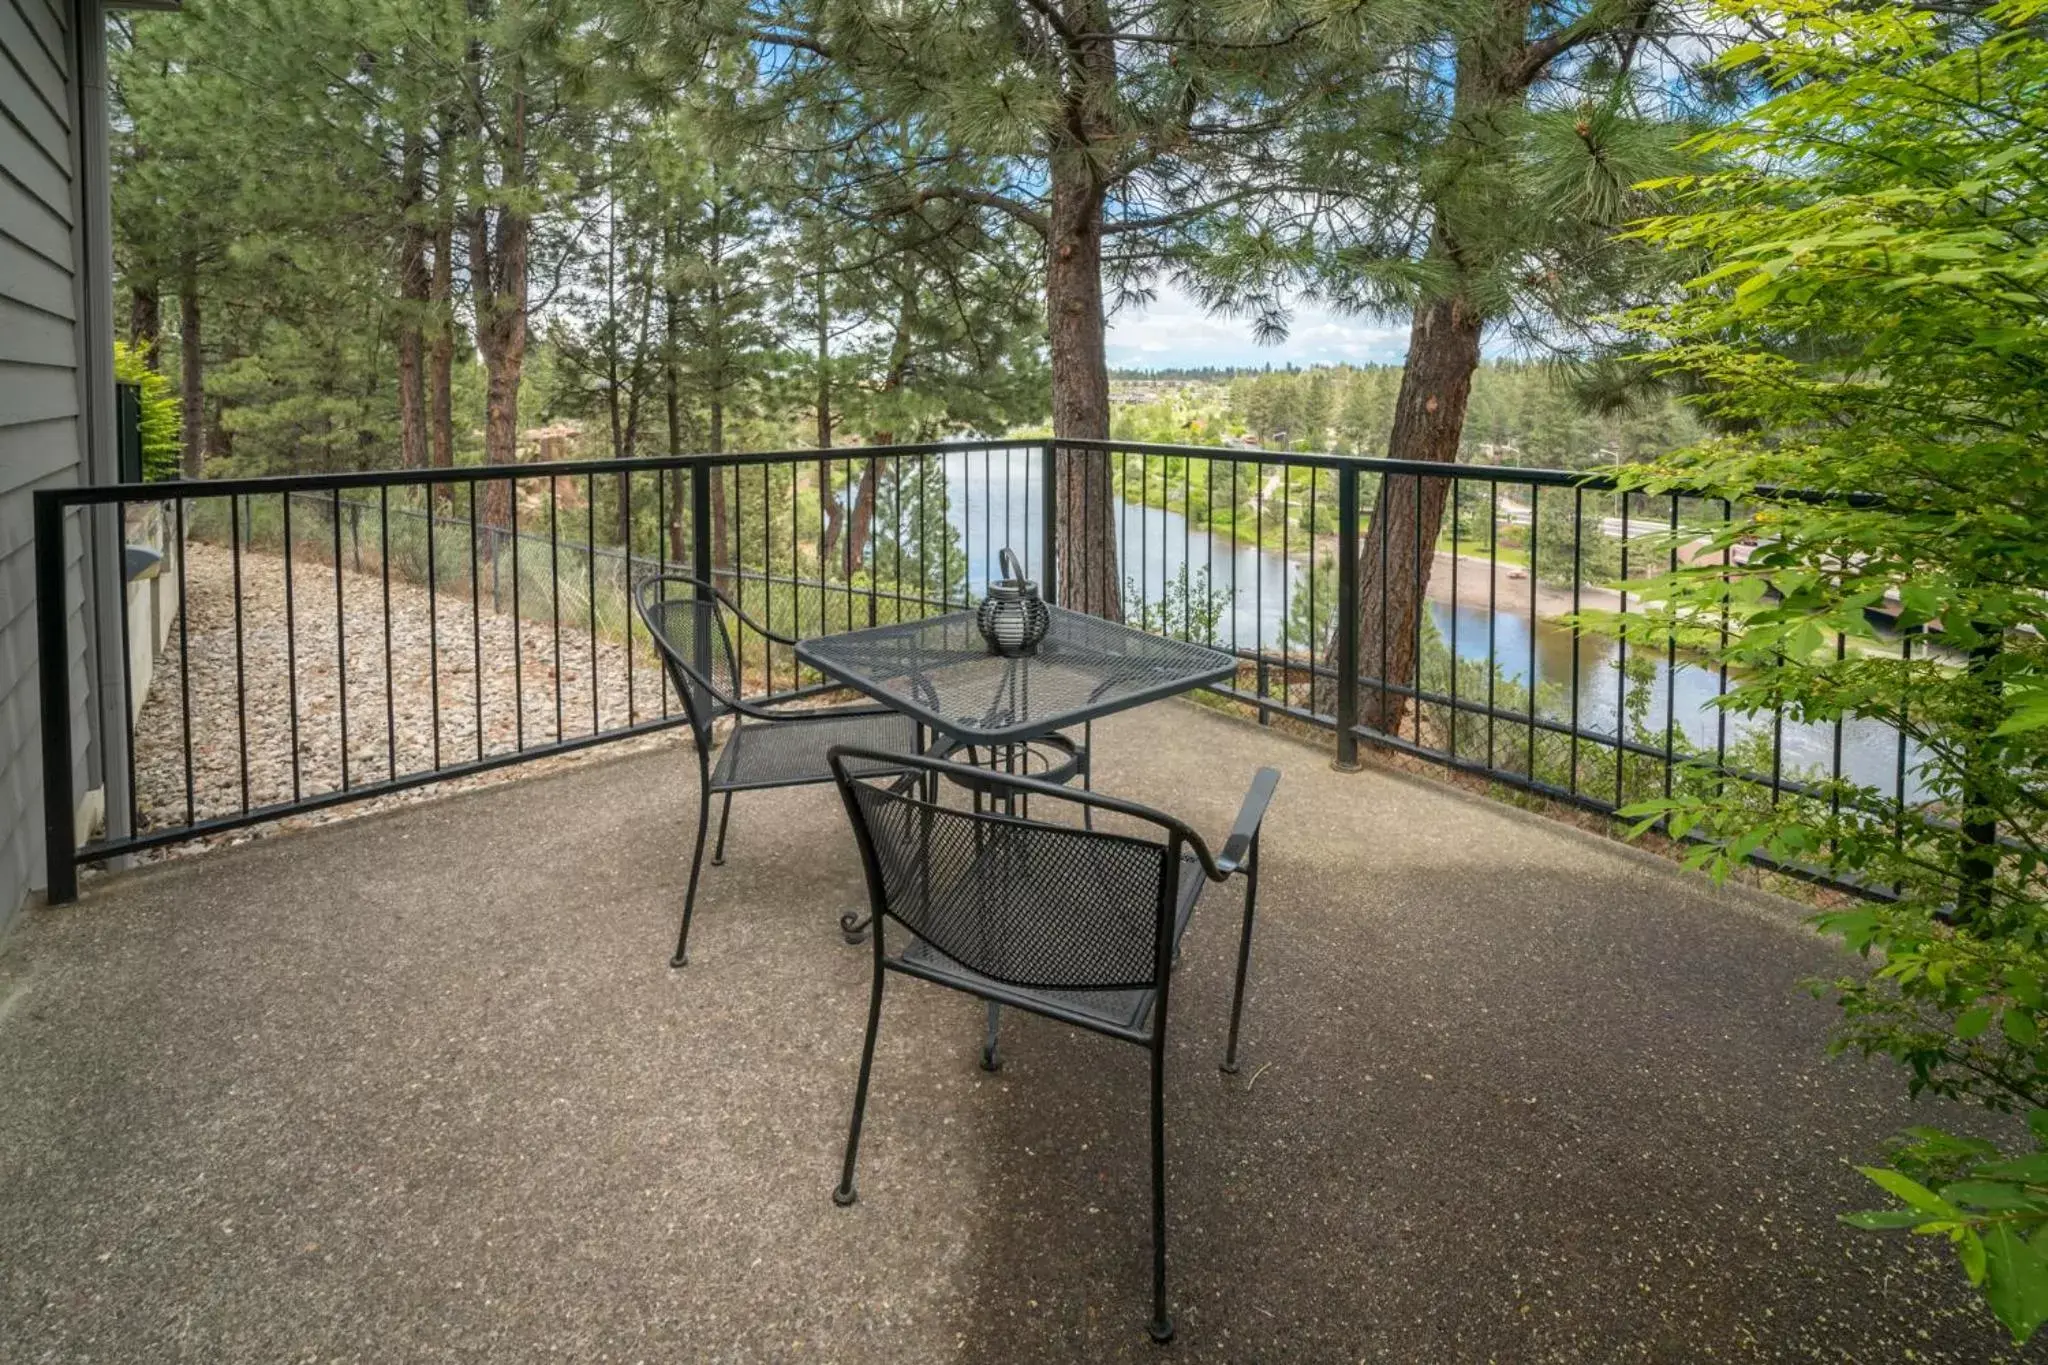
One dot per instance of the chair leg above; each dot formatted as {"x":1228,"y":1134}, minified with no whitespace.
{"x":846,"y":1194}
{"x":682,"y":955}
{"x":1088,"y":771}
{"x":1161,"y":1326}
{"x":1244,"y":956}
{"x":724,"y":819}
{"x":991,"y":1060}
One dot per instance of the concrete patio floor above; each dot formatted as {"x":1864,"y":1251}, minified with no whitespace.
{"x":422,"y":1087}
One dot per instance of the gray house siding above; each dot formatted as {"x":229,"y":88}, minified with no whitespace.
{"x":42,"y":433}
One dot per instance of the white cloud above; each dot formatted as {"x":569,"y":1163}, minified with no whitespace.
{"x":1174,"y":330}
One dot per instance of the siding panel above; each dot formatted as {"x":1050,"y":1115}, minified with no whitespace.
{"x":46,"y":19}
{"x":34,"y":90}
{"x":46,"y":181}
{"x":30,"y":454}
{"x":28,"y":278}
{"x":37,"y":227}
{"x":37,"y":393}
{"x":31,"y":338}
{"x":40,"y":434}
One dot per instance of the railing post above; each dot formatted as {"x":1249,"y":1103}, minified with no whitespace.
{"x":701,"y":558}
{"x":1978,"y":866}
{"x":53,"y":669}
{"x":700,"y":521}
{"x":1049,"y":514}
{"x":1347,"y":618}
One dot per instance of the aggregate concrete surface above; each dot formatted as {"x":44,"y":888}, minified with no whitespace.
{"x":422,"y":1087}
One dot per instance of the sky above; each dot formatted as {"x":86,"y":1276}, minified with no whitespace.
{"x":1174,"y":330}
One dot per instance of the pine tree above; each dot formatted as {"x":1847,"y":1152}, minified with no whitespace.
{"x":1113,"y":134}
{"x":1502,"y":161}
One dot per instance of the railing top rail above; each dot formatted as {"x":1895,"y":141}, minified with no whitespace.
{"x":1592,"y":480}
{"x":272,"y":484}
{"x":480,"y":473}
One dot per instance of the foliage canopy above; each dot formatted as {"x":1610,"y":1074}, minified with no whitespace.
{"x":1867,"y":324}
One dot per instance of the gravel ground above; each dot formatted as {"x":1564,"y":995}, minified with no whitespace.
{"x":290,"y":657}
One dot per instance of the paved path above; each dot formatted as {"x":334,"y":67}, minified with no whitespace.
{"x":421,"y":1087}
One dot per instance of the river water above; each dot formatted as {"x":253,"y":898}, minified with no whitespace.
{"x":994,"y":502}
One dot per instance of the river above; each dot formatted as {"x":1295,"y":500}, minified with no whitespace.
{"x":993,"y":501}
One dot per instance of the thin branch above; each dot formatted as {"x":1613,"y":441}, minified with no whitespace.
{"x":1023,"y":213}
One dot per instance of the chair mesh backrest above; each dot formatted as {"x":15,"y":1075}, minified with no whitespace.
{"x":695,"y":647}
{"x":1033,"y":905}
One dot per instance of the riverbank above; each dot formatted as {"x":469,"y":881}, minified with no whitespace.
{"x":1464,"y":579}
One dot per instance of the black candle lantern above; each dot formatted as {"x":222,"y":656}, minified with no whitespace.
{"x":1012,"y":618}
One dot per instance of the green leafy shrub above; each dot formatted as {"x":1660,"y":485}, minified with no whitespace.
{"x":162,"y":426}
{"x":1866,"y":325}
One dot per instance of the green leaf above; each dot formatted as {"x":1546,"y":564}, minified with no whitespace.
{"x":2020,"y":1028}
{"x":1997,"y":1195}
{"x":1908,"y":1190}
{"x":2025,"y":987}
{"x":2033,"y":1169}
{"x":2015,"y":1280}
{"x":1970,"y":1251}
{"x":2028,"y":710}
{"x":1972,"y":1022}
{"x":1881,"y":1219}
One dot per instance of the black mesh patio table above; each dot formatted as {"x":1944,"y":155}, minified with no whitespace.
{"x":940,"y":672}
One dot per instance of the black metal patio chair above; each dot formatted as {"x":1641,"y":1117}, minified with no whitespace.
{"x":1079,"y":925}
{"x":784,"y":747}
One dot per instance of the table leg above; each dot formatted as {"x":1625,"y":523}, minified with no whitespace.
{"x":990,"y":1059}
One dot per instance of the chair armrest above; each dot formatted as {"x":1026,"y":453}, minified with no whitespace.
{"x":751,"y":624}
{"x":1244,"y":834}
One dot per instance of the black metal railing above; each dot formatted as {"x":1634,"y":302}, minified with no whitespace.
{"x":332,"y":638}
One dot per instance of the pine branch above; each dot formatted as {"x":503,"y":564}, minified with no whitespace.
{"x":1021,"y":212}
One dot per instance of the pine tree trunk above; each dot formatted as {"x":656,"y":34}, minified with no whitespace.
{"x":678,"y":525}
{"x":191,"y":378}
{"x":630,"y":438}
{"x":415,"y":284}
{"x":834,"y":509}
{"x":412,"y":409}
{"x":145,"y":323}
{"x":1399,"y":548}
{"x":441,"y":355}
{"x":503,"y":343}
{"x":220,"y":439}
{"x":672,"y":401}
{"x":498,"y":257}
{"x":863,"y":518}
{"x":1088,"y":577}
{"x":672,"y":379}
{"x":722,"y":369}
{"x":835,"y":516}
{"x":635,"y":403}
{"x":500,"y":306}
{"x":900,"y":354}
{"x":824,"y":369}
{"x":614,"y":412}
{"x":721,"y":553}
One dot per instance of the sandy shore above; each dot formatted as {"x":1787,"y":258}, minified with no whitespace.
{"x":1510,"y":589}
